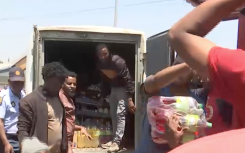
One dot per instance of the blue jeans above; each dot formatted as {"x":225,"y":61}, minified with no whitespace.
{"x":146,"y":144}
{"x":13,"y":142}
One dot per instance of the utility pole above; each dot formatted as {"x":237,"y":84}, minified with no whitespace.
{"x":115,"y":13}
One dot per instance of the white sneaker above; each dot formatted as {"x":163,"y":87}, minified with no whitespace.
{"x":114,"y":148}
{"x":107,"y":145}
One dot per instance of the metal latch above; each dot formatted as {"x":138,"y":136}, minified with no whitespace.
{"x":142,"y":56}
{"x":82,"y":35}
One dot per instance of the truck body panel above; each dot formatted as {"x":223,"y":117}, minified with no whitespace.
{"x":35,"y":57}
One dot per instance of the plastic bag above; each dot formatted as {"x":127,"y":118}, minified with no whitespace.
{"x":33,"y":145}
{"x":159,"y":108}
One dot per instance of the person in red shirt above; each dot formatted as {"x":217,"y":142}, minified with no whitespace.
{"x":218,"y":111}
{"x":225,"y":142}
{"x":224,"y":67}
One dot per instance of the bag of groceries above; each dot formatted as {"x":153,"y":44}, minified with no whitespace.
{"x":191,"y":114}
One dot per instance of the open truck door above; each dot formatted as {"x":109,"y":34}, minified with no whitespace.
{"x":157,"y":57}
{"x":158,"y":54}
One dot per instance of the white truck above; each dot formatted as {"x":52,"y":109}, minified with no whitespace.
{"x":75,"y":48}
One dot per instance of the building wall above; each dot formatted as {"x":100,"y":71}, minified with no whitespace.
{"x":4,"y":72}
{"x":21,"y":63}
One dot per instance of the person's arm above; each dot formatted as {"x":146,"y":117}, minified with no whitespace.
{"x":83,"y":131}
{"x":2,"y":133}
{"x":2,"y":116}
{"x":123,"y":71}
{"x":186,"y":36}
{"x":25,"y":120}
{"x":78,"y":128}
{"x":164,"y":77}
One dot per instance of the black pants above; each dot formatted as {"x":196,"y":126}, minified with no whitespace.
{"x":13,"y":140}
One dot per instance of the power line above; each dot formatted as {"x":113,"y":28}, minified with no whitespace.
{"x":82,"y":11}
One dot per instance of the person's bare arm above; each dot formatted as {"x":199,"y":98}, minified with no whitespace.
{"x":3,"y":108}
{"x":2,"y":133}
{"x":78,"y":128}
{"x":83,"y":131}
{"x":164,"y":77}
{"x":186,"y":36}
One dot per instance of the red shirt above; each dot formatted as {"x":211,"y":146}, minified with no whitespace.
{"x":225,"y":142}
{"x":212,"y":116}
{"x":70,"y":114}
{"x":227,"y":76}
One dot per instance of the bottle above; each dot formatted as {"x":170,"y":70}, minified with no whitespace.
{"x":193,"y":122}
{"x":96,"y":138}
{"x":108,"y":132}
{"x":83,"y":140}
{"x":90,"y":131}
{"x":187,"y":137}
{"x":79,"y":140}
{"x":94,"y":143}
{"x":87,"y":141}
{"x":102,"y":137}
{"x":97,"y":133}
{"x":185,"y":104}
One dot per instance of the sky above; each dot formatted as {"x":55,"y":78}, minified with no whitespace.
{"x":17,"y":18}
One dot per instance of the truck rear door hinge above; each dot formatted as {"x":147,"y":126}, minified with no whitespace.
{"x":142,"y":56}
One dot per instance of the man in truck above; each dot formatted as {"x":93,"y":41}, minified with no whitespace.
{"x":66,"y":95}
{"x":114,"y":68}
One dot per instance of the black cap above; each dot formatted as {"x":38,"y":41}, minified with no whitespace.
{"x":16,"y":74}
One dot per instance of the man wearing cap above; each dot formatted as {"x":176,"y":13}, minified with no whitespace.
{"x":9,"y":111}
